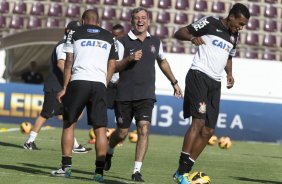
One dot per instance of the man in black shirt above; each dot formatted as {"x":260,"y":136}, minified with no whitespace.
{"x":32,"y":76}
{"x":136,"y":87}
{"x":217,"y":39}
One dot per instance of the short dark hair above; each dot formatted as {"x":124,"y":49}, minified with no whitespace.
{"x":117,"y":26}
{"x":136,"y":10}
{"x":90,"y":13}
{"x":239,"y":9}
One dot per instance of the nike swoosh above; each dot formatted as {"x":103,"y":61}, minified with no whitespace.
{"x":218,"y":30}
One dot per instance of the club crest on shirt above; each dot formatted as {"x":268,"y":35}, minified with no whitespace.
{"x":153,"y":49}
{"x":202,"y":108}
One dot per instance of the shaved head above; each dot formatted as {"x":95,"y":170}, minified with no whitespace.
{"x":90,"y":17}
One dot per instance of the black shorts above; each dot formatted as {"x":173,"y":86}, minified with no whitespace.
{"x":81,"y":94}
{"x":141,"y":110}
{"x":202,"y":97}
{"x":51,"y":107}
{"x":111,"y":95}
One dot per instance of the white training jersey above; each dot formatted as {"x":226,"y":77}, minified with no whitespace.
{"x":92,"y":47}
{"x":220,"y":45}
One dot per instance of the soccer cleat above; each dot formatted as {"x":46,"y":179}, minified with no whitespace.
{"x":30,"y":146}
{"x":81,"y":149}
{"x":62,"y":172}
{"x":98,"y":177}
{"x":137,"y":177}
{"x":182,"y":179}
{"x":108,"y":162}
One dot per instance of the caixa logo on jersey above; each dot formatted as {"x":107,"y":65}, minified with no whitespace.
{"x":94,"y":43}
{"x":222,"y":45}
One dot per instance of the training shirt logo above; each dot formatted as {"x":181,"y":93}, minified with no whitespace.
{"x":153,"y":49}
{"x":93,"y":30}
{"x":200,"y":24}
{"x":202,"y":107}
{"x":94,"y":43}
{"x":221,"y":45}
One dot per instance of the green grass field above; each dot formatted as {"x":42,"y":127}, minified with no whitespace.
{"x":253,"y":163}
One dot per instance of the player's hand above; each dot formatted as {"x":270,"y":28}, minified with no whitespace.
{"x":60,"y":95}
{"x":177,"y":91}
{"x":197,"y":41}
{"x":230,"y":81}
{"x":136,"y":56}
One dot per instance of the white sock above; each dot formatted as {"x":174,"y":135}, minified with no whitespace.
{"x":32,"y":137}
{"x":75,"y":143}
{"x":137,"y":167}
{"x":111,"y":150}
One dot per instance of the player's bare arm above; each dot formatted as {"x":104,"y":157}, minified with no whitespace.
{"x":61,"y":65}
{"x":67,"y":75}
{"x":228,"y":70}
{"x":165,"y":68}
{"x":111,"y":69}
{"x":185,"y":35}
{"x":135,"y":56}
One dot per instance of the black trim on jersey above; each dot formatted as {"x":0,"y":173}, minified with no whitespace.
{"x":213,"y":26}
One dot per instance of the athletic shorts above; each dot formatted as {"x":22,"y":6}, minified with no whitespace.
{"x":51,"y":107}
{"x":89,"y":94}
{"x":141,"y":110}
{"x":201,"y":97}
{"x":111,"y":95}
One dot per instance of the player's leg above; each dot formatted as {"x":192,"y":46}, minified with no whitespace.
{"x":49,"y":107}
{"x":123,"y":112}
{"x":73,"y":107}
{"x":143,"y":115}
{"x":212,"y":111}
{"x":194,"y":105}
{"x":101,"y":151}
{"x":97,"y":115}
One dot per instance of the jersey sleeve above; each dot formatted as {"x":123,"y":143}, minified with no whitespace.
{"x":68,"y":46}
{"x":200,"y":27}
{"x":59,"y":52}
{"x":234,"y":39}
{"x":114,"y":50}
{"x":161,"y":54}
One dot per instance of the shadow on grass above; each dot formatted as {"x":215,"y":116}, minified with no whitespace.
{"x":257,"y":180}
{"x":251,"y":155}
{"x":107,"y":175}
{"x":10,"y":145}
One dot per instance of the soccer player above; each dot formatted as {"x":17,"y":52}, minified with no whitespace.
{"x":136,"y":87}
{"x":90,"y":63}
{"x":217,"y":39}
{"x":118,"y":32}
{"x":52,"y":85}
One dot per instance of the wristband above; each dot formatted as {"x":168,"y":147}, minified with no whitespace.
{"x":174,"y":83}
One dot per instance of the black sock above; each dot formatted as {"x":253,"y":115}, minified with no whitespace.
{"x":99,"y":167}
{"x":185,"y":163}
{"x":66,"y":162}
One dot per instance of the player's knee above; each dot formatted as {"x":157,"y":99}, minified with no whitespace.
{"x":197,"y":125}
{"x":122,"y":133}
{"x":143,"y":131}
{"x":207,"y":132}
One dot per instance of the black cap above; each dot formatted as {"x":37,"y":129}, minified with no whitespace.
{"x":73,"y":24}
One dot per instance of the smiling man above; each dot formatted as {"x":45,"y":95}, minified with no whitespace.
{"x":217,"y":40}
{"x":136,"y":87}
